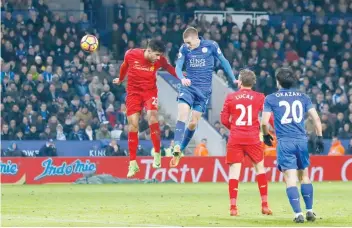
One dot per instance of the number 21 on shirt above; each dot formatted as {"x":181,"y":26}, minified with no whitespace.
{"x":245,"y":112}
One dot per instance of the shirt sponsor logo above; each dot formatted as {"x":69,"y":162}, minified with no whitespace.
{"x":197,"y":62}
{"x":143,"y":68}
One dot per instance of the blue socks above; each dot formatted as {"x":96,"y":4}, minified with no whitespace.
{"x":179,"y":132}
{"x":293,"y":197}
{"x":182,"y":137}
{"x":187,"y":137}
{"x":307,"y":194}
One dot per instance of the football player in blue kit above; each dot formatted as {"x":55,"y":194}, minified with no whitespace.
{"x":198,"y":55}
{"x":289,"y":107}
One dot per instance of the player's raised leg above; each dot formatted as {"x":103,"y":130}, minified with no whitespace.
{"x":183,"y":115}
{"x":133,"y":121}
{"x":155,"y":136}
{"x":151,"y":105}
{"x":191,"y":128}
{"x":307,"y":193}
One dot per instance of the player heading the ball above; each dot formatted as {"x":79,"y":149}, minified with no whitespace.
{"x":240,"y":115}
{"x":289,"y":107}
{"x":198,"y":55}
{"x":142,"y":93}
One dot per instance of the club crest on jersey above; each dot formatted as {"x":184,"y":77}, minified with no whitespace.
{"x":204,"y":50}
{"x":152,"y":68}
{"x":179,"y":55}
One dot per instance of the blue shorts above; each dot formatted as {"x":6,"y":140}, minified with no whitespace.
{"x":194,"y":97}
{"x":292,"y":154}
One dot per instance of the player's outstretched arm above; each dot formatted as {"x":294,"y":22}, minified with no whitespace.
{"x":179,"y":64}
{"x":168,"y":67}
{"x":227,"y":67}
{"x":226,"y":113}
{"x":224,"y":62}
{"x":318,"y":129}
{"x":123,"y":71}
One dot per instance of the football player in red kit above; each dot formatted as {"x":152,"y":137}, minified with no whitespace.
{"x":142,"y":93}
{"x":240,"y":114}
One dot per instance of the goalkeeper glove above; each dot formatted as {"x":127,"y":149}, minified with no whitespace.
{"x":319,"y":145}
{"x":268,"y":140}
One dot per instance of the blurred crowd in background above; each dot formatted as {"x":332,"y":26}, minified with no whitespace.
{"x":50,"y":89}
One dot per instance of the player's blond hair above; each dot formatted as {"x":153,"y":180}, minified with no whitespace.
{"x":190,"y":31}
{"x":248,"y":78}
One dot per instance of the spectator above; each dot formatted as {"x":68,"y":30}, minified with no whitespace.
{"x":116,"y":132}
{"x":223,"y":134}
{"x":47,"y":134}
{"x":33,"y":134}
{"x":336,"y":148}
{"x":103,"y":132}
{"x":124,"y":133}
{"x":121,"y":115}
{"x":19,"y":136}
{"x":349,"y":151}
{"x":95,"y":87}
{"x":141,"y":151}
{"x":14,"y":151}
{"x":217,"y":126}
{"x":74,"y":135}
{"x":119,"y":12}
{"x":48,"y":150}
{"x":345,"y":133}
{"x":90,"y":133}
{"x":5,"y":134}
{"x":84,"y":114}
{"x":201,"y":149}
{"x":113,"y":149}
{"x":60,"y":135}
{"x":167,"y":133}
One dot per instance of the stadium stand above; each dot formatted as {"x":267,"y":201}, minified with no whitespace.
{"x":50,"y":89}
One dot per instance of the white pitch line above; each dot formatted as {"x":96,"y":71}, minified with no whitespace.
{"x":41,"y":219}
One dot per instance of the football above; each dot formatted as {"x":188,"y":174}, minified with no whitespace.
{"x":89,"y":43}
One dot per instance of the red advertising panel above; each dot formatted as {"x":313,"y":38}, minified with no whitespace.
{"x":191,"y":169}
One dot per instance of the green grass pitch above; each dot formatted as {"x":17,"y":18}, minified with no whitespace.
{"x":164,"y":205}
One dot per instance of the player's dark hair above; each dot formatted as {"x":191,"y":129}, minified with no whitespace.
{"x":190,"y":31}
{"x":286,"y":78}
{"x":247,"y":77}
{"x":156,"y":45}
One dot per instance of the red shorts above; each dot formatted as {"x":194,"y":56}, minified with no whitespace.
{"x":137,"y":100}
{"x":237,"y":152}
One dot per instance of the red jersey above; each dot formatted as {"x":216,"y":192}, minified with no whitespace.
{"x":240,"y":114}
{"x":142,"y":73}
